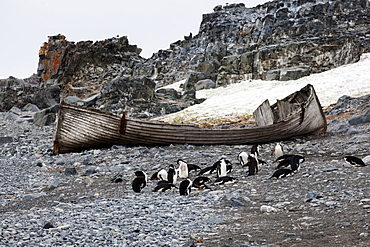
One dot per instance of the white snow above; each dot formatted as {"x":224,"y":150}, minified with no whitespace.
{"x":238,"y":101}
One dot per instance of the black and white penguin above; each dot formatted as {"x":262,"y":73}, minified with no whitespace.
{"x":282,"y":173}
{"x":243,"y":158}
{"x":255,"y":150}
{"x":159,"y":175}
{"x":139,"y":182}
{"x":185,"y":187}
{"x":278,"y":151}
{"x":172,"y":175}
{"x":261,"y":162}
{"x":286,"y":160}
{"x":283,"y":163}
{"x":192,"y":167}
{"x":183,"y":169}
{"x":163,"y":186}
{"x":229,"y":167}
{"x":295,"y":161}
{"x":208,"y":170}
{"x":224,"y":180}
{"x":252,"y":165}
{"x":285,"y":156}
{"x":221,"y":167}
{"x":200,"y":182}
{"x":354,"y":161}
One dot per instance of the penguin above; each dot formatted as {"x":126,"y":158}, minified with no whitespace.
{"x":200,"y":182}
{"x":139,"y":182}
{"x":255,"y":150}
{"x":283,"y":157}
{"x":159,"y":175}
{"x":163,"y":186}
{"x":208,"y":170}
{"x":172,"y":175}
{"x":229,"y":167}
{"x":281,"y":173}
{"x":286,"y":160}
{"x":185,"y":187}
{"x":278,"y":150}
{"x":183,"y":169}
{"x":261,"y":162}
{"x":162,"y":175}
{"x":221,"y":167}
{"x":224,"y":180}
{"x":154,"y":176}
{"x":295,"y":162}
{"x":243,"y":158}
{"x":283,"y":163}
{"x":192,"y":167}
{"x":354,"y":161}
{"x":252,"y":165}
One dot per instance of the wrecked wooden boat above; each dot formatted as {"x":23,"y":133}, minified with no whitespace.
{"x":80,"y":128}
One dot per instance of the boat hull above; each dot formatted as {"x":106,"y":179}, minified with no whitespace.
{"x":81,"y":128}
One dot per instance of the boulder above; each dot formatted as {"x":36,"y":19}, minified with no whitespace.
{"x":47,"y":97}
{"x":205,"y":84}
{"x":46,"y":116}
{"x":360,"y":119}
{"x":31,"y":108}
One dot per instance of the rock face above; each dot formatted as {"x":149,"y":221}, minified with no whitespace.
{"x":82,"y":67}
{"x":279,"y":40}
{"x":19,"y":93}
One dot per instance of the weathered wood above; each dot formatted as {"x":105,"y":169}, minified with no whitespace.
{"x":285,"y":109}
{"x":80,"y":128}
{"x":263,"y":115}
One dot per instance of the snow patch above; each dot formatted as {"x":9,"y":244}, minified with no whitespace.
{"x":236,"y":102}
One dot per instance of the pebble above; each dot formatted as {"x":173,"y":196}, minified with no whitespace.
{"x":268,"y":209}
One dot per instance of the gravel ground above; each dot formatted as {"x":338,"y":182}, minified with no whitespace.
{"x":327,"y":202}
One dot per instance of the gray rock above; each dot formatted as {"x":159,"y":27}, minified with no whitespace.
{"x":204,"y":84}
{"x":47,"y":97}
{"x":360,"y":119}
{"x":312,"y":195}
{"x":343,"y":128}
{"x":5,"y":139}
{"x":91,"y":170}
{"x":366,"y":160}
{"x":353,"y":131}
{"x":74,"y":100}
{"x":54,"y":184}
{"x":70,"y":171}
{"x":11,"y":116}
{"x":290,"y":234}
{"x":31,"y":107}
{"x":46,"y":116}
{"x":33,"y":196}
{"x":236,"y":203}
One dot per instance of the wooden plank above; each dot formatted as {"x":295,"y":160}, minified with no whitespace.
{"x":263,"y":115}
{"x":284,"y":109}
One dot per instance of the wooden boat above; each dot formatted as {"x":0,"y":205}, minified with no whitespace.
{"x":80,"y":128}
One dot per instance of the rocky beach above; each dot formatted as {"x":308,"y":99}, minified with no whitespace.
{"x":74,"y":200}
{"x":86,"y":198}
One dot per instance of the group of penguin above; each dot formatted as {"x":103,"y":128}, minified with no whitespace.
{"x":287,"y":164}
{"x":168,"y":178}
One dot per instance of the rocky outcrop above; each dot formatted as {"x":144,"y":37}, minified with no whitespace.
{"x":279,"y":40}
{"x":83,"y":68}
{"x":19,"y":93}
